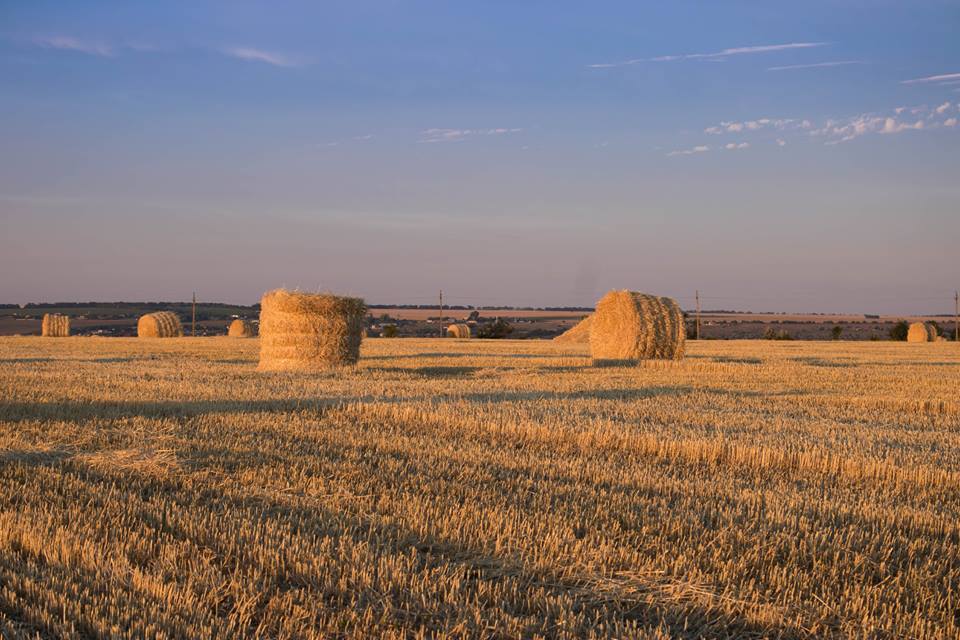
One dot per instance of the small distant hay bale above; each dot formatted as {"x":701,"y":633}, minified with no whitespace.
{"x":458,"y":331}
{"x":932,"y":332}
{"x":55,"y":325}
{"x":577,"y":334}
{"x":160,"y":324}
{"x":919,"y":332}
{"x":628,"y":327}
{"x":309,"y":332}
{"x":241,"y":329}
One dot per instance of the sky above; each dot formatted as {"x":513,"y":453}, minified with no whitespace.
{"x":782,"y":156}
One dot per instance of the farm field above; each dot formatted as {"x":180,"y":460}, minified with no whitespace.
{"x":488,"y":489}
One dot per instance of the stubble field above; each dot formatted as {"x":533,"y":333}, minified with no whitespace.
{"x":164,"y":488}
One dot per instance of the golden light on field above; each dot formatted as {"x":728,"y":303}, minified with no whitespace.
{"x":479,"y":489}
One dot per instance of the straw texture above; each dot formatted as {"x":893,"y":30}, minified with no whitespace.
{"x":458,"y":331}
{"x":160,"y":324}
{"x":628,"y":327}
{"x":307,"y":332}
{"x":919,"y":332}
{"x":55,"y":325}
{"x":240,"y":329}
{"x":577,"y":334}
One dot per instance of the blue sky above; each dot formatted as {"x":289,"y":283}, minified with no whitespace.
{"x":775,"y":155}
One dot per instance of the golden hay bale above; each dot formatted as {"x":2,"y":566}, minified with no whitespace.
{"x":240,"y":329}
{"x":919,"y":332}
{"x":160,"y":324}
{"x":577,"y":334}
{"x":629,"y":326}
{"x":932,"y":332}
{"x":55,"y":325}
{"x":458,"y":331}
{"x":307,"y":332}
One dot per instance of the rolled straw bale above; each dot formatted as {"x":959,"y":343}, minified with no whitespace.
{"x":308,"y":332}
{"x":458,"y":331}
{"x":577,"y":334}
{"x":918,"y":333}
{"x":932,"y":332}
{"x":55,"y":325}
{"x":240,"y":329}
{"x":160,"y":324}
{"x":628,"y":327}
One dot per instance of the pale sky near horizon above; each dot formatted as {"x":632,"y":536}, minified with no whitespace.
{"x":782,"y":156}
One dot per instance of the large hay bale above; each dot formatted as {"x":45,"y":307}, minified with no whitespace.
{"x":628,"y":327}
{"x":458,"y":331}
{"x":919,"y":332}
{"x":577,"y":334}
{"x":160,"y":324}
{"x":55,"y":325}
{"x":308,"y":332}
{"x":241,"y":329}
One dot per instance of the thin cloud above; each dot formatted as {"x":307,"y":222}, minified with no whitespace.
{"x":689,"y":152}
{"x":940,"y":78}
{"x":68,"y":43}
{"x":715,"y":56}
{"x":816,"y":65}
{"x":733,"y":146}
{"x":458,"y":135}
{"x":780,"y":124}
{"x":258,"y":55}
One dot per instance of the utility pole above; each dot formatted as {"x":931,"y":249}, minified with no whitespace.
{"x":698,"y":313}
{"x":441,"y":313}
{"x":193,"y":321}
{"x":956,"y":316}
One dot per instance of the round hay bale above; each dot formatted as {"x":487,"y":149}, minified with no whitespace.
{"x":919,"y":332}
{"x":160,"y":324}
{"x":628,"y":327}
{"x":932,"y":332}
{"x":458,"y":331}
{"x":577,"y":334}
{"x":55,"y":325}
{"x":241,"y":329}
{"x":309,"y":332}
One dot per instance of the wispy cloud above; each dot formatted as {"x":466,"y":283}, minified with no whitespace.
{"x":715,"y":56}
{"x":69,"y":43}
{"x":816,"y":65}
{"x":689,"y":152}
{"x":940,"y":78}
{"x":458,"y":135}
{"x":258,"y":55}
{"x":733,"y":146}
{"x":780,"y":124}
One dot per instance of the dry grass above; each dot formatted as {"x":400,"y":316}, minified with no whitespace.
{"x":485,"y":489}
{"x":458,"y":331}
{"x":309,"y":332}
{"x":160,"y":324}
{"x":55,"y":325}
{"x":629,"y":327}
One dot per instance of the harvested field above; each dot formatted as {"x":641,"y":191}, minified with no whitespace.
{"x":479,"y":489}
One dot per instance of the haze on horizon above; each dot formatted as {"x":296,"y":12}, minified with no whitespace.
{"x":781,"y":156}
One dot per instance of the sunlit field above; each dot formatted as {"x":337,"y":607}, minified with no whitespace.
{"x":489,"y":489}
